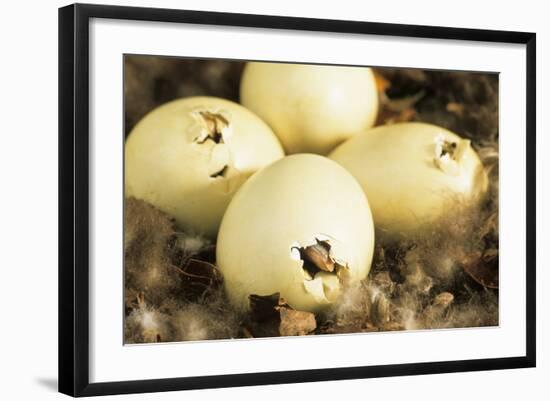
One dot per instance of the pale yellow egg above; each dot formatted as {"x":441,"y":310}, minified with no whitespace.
{"x":189,"y":156}
{"x":301,"y":227}
{"x":413,"y":175}
{"x":311,"y":108}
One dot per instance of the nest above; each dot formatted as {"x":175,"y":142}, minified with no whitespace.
{"x":446,"y":279}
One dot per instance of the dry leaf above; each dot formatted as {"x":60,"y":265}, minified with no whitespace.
{"x":271,"y":316}
{"x":483,"y":272}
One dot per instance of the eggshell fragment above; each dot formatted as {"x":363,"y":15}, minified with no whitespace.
{"x":311,"y":108}
{"x":413,"y":175}
{"x":189,"y":156}
{"x":302,"y":204}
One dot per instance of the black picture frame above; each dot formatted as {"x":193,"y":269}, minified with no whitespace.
{"x":74,"y":201}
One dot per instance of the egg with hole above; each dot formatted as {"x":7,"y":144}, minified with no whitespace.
{"x":189,"y":156}
{"x":311,"y":108}
{"x":413,"y":175}
{"x":301,"y":227}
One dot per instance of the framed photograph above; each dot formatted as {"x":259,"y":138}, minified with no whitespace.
{"x":250,"y":199}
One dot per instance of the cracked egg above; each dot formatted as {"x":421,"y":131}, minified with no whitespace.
{"x":311,"y":108}
{"x":189,"y":156}
{"x":413,"y":174}
{"x":301,"y":227}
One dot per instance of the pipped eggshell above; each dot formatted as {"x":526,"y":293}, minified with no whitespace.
{"x":311,"y":108}
{"x":291,"y":203}
{"x":413,"y":174}
{"x":189,"y":156}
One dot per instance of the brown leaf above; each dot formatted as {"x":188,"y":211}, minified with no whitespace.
{"x":295,"y":323}
{"x":481,"y":271}
{"x":262,"y":307}
{"x":271,"y":316}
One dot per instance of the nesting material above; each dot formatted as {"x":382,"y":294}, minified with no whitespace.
{"x":172,"y":290}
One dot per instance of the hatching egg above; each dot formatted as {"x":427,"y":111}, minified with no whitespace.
{"x":311,"y":108}
{"x":189,"y":156}
{"x":413,"y":175}
{"x":301,"y":227}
